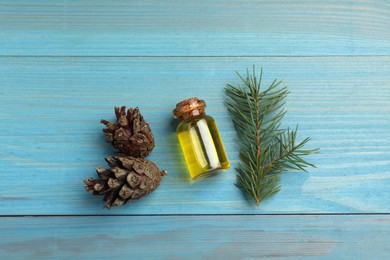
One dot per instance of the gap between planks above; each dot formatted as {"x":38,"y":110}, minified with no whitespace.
{"x":198,"y":215}
{"x":195,"y":56}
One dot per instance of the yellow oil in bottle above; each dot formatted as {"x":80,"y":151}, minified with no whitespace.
{"x":202,"y":146}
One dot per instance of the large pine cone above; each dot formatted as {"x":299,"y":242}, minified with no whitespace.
{"x":132,"y":135}
{"x":127,"y":179}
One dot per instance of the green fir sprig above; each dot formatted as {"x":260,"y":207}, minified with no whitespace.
{"x":266,"y":149}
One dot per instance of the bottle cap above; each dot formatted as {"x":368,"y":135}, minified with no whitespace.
{"x":189,"y":108}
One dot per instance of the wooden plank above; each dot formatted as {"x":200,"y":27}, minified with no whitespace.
{"x":196,"y":237}
{"x":51,"y":137}
{"x":194,"y":28}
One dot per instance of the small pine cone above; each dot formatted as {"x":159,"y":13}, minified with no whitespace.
{"x":131,"y":135}
{"x":127,"y":179}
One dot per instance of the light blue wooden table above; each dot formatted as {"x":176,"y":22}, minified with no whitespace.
{"x":65,"y":64}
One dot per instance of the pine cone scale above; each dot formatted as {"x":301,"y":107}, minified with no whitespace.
{"x":126,"y":191}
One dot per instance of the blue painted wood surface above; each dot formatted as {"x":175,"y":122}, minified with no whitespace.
{"x":193,"y":28}
{"x":51,"y":135}
{"x":64,"y":65}
{"x":197,"y":237}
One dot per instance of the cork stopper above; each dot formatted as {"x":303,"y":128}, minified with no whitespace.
{"x":189,"y":108}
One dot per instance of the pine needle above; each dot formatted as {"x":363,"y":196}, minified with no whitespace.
{"x":266,"y":150}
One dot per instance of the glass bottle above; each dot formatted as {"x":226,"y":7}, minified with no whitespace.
{"x":199,"y":139}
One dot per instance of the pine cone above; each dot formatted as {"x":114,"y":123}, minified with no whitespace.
{"x":132,"y":135}
{"x":127,"y":179}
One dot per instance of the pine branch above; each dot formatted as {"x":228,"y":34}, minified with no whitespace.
{"x":266,"y":150}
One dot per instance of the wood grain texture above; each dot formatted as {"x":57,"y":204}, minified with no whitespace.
{"x":194,"y":28}
{"x":51,"y":138}
{"x":65,"y":64}
{"x":196,"y":237}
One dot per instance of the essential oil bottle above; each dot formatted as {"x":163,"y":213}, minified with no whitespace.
{"x":199,"y":139}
